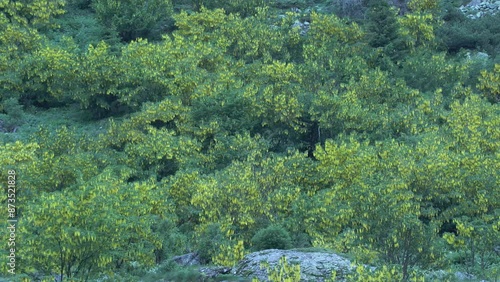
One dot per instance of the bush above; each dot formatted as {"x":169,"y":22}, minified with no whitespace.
{"x":84,"y":28}
{"x":183,"y":274}
{"x":354,"y":9}
{"x":481,"y":34}
{"x":80,"y":4}
{"x":272,"y":237}
{"x":210,"y":241}
{"x":287,"y":4}
{"x":382,"y":25}
{"x":134,"y":18}
{"x":174,"y":242}
{"x":13,"y":117}
{"x":243,"y":7}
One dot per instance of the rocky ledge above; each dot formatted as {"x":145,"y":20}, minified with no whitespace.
{"x":314,"y":266}
{"x":477,"y":8}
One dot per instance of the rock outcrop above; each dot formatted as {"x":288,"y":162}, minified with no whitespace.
{"x":476,"y":8}
{"x":188,"y":259}
{"x":314,"y":266}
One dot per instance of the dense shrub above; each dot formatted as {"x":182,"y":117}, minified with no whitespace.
{"x":209,"y":243}
{"x":173,"y":241}
{"x":272,"y":237}
{"x":134,"y":18}
{"x":11,"y":115}
{"x":354,"y":9}
{"x":381,"y":24}
{"x":287,"y":4}
{"x":242,"y":7}
{"x":84,"y":28}
{"x":459,"y":32}
{"x":81,"y":4}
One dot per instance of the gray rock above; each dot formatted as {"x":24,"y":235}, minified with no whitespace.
{"x":477,"y":56}
{"x":314,"y":266}
{"x":187,"y":259}
{"x":479,"y":8}
{"x":474,"y":3}
{"x":482,"y":55}
{"x":464,"y":276}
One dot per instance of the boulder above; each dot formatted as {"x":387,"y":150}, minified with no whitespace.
{"x":482,"y":55}
{"x":314,"y":266}
{"x":188,"y":259}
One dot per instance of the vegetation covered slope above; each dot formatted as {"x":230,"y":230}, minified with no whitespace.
{"x":139,"y":133}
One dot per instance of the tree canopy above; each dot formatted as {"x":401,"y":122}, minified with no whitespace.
{"x":175,"y":122}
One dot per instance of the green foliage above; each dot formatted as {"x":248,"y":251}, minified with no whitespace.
{"x":11,"y":115}
{"x":211,"y":124}
{"x":385,"y":273}
{"x":283,"y":271}
{"x":382,"y":24}
{"x":84,"y":28}
{"x":134,"y":19}
{"x":417,"y":29}
{"x":183,"y":274}
{"x":428,"y":72}
{"x":49,"y":72}
{"x":272,"y":237}
{"x":210,"y":240}
{"x":31,"y":13}
{"x":353,"y":9}
{"x":423,"y":6}
{"x":80,"y":4}
{"x":173,"y":241}
{"x":357,"y":172}
{"x":489,"y":84}
{"x":17,"y":155}
{"x":382,"y":30}
{"x":230,"y":253}
{"x":480,"y":34}
{"x":477,"y":239}
{"x":243,"y":7}
{"x":231,"y":207}
{"x":57,"y":167}
{"x":19,"y":24}
{"x":287,"y":4}
{"x":80,"y":229}
{"x":357,"y":106}
{"x":332,"y":53}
